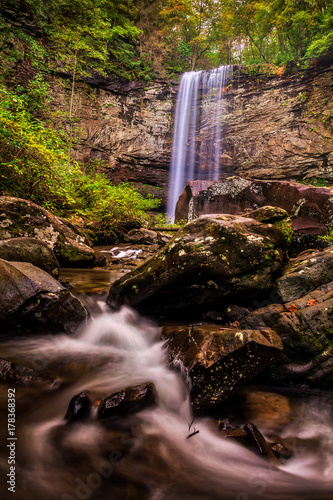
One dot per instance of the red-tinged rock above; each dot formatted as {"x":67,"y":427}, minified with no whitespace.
{"x":219,"y":360}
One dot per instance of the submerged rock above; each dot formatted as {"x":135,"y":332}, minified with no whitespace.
{"x":20,"y":217}
{"x":219,"y":360}
{"x":22,"y":375}
{"x":130,"y":400}
{"x":266,"y":409}
{"x":210,"y":261}
{"x":33,"y":300}
{"x":31,"y":250}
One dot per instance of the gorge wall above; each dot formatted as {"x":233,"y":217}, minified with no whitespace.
{"x":124,"y":128}
{"x":277,"y":127}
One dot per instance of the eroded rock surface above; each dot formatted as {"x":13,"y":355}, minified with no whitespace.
{"x":304,"y":274}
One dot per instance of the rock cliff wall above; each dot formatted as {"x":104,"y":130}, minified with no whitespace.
{"x":125,"y":127}
{"x":280,"y":128}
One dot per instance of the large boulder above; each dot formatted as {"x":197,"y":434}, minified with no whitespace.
{"x":311,"y":208}
{"x":305,"y":328}
{"x":30,"y":250}
{"x":32,"y":300}
{"x":304,"y":274}
{"x":212,"y":260}
{"x":20,"y":217}
{"x":219,"y":360}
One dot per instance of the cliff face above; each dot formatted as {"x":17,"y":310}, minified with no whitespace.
{"x":128,"y":127}
{"x":273,"y":127}
{"x":280,"y":128}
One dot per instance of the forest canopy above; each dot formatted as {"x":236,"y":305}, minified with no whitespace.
{"x":148,"y":38}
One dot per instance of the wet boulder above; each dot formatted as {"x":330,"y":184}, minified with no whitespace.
{"x":304,"y":274}
{"x":130,"y":400}
{"x":209,"y":262}
{"x":305,"y":328}
{"x":31,"y":300}
{"x":266,"y":409}
{"x":70,"y":244}
{"x":79,"y":408}
{"x":31,"y":250}
{"x":21,"y":375}
{"x":219,"y":360}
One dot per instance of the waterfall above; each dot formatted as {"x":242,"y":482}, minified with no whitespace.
{"x":196,"y":146}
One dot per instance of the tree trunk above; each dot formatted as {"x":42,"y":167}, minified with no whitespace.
{"x":71,"y":108}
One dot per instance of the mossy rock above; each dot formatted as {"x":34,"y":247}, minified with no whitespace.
{"x":211,"y":260}
{"x":22,"y":218}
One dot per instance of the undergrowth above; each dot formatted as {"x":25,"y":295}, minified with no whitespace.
{"x":35,"y":165}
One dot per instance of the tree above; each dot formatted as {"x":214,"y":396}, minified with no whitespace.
{"x":194,"y":24}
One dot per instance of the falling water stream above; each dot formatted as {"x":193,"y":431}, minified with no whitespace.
{"x":197,"y":132}
{"x":146,"y":455}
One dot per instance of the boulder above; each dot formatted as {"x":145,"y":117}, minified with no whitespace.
{"x":190,"y":190}
{"x":130,"y":400}
{"x":210,"y":261}
{"x":305,"y":328}
{"x":20,"y":217}
{"x":219,"y":360}
{"x":141,"y":236}
{"x":236,"y":313}
{"x":31,"y":250}
{"x":276,"y":216}
{"x":32,"y":300}
{"x":304,"y":274}
{"x":311,"y":208}
{"x":266,"y":409}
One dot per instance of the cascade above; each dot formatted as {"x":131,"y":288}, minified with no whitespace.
{"x":196,"y":146}
{"x":147,"y":454}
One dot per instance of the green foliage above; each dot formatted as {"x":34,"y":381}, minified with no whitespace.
{"x":328,"y":238}
{"x":114,"y":209}
{"x":161,"y":220}
{"x":34,"y":165}
{"x":320,"y":182}
{"x":147,"y":38}
{"x":323,"y":39}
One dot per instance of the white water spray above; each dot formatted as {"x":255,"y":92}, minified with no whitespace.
{"x":120,"y":350}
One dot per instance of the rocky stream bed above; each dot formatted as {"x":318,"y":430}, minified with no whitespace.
{"x":191,"y":366}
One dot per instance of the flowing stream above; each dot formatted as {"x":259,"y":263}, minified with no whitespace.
{"x":196,"y":146}
{"x":146,"y":455}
